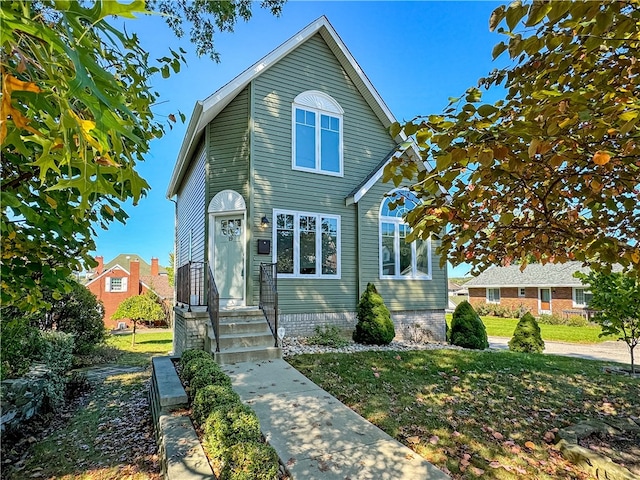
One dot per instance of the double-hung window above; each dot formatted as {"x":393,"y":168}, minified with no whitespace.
{"x":581,"y":297}
{"x":115,"y":284}
{"x":306,"y":244}
{"x":493,"y":295}
{"x":317,"y":134}
{"x":399,"y":258}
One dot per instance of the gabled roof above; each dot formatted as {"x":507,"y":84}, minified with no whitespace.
{"x":206,"y":110}
{"x":159,"y":284}
{"x":106,"y":271}
{"x":534,"y":275}
{"x":125,"y":258}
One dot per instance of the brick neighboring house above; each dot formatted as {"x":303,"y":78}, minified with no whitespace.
{"x":113,"y":282}
{"x":543,"y":289}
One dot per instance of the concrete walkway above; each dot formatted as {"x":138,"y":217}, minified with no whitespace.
{"x":605,"y":351}
{"x":315,"y":435}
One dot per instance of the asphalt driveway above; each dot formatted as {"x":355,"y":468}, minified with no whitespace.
{"x":605,"y":351}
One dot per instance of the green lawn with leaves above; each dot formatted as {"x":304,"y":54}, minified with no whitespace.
{"x":110,"y":434}
{"x":476,"y":413}
{"x":504,"y":327}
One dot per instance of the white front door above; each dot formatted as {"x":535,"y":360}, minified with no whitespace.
{"x":228,"y":258}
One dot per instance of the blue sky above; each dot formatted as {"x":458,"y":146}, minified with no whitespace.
{"x":417,"y":55}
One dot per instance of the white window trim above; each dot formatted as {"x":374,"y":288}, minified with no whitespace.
{"x":109,"y":284}
{"x":499,"y":295}
{"x":319,"y":103}
{"x":522,"y":292}
{"x":540,"y":310}
{"x":574,"y":295}
{"x":396,"y":245}
{"x":296,"y":244}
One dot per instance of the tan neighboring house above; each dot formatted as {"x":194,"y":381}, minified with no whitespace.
{"x":543,"y":289}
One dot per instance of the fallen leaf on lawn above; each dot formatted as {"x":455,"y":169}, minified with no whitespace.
{"x":530,"y":445}
{"x":495,"y":464}
{"x":434,"y":439}
{"x":413,"y":440}
{"x":477,"y":471}
{"x":456,"y":433}
{"x":549,"y":437}
{"x":497,"y":435}
{"x":376,"y":374}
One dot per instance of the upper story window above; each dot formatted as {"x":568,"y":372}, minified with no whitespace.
{"x":317,"y":134}
{"x":522,"y":292}
{"x":306,"y":244}
{"x":115,"y":284}
{"x":399,"y":258}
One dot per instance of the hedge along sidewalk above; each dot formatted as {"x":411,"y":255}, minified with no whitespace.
{"x":315,"y":435}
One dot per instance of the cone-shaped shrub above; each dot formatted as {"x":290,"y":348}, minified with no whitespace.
{"x":467,"y":329}
{"x":526,"y":336}
{"x":374,"y":326}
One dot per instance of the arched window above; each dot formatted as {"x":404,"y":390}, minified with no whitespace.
{"x":317,"y":133}
{"x":399,"y":258}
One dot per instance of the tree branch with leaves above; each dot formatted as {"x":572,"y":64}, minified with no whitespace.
{"x":552,"y":169}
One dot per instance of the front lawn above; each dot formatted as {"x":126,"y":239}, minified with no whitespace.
{"x":504,"y":327}
{"x":476,"y":413}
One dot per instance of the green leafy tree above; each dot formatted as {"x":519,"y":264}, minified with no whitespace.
{"x":76,"y":118}
{"x":553,"y":168}
{"x":526,"y":337}
{"x":616,"y":297}
{"x":138,"y":308}
{"x":467,"y":329}
{"x":171,"y":269}
{"x":374,"y":326}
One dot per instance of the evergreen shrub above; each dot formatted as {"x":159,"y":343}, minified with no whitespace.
{"x":374,"y":326}
{"x":210,"y":397}
{"x":189,"y":355}
{"x":229,"y":424}
{"x":467,"y":329}
{"x":209,"y":374}
{"x":192,"y":367}
{"x":250,"y":461}
{"x":526,"y":336}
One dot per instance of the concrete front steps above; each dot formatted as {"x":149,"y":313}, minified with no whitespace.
{"x":245,"y":336}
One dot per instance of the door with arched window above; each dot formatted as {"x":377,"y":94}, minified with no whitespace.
{"x":227,"y":240}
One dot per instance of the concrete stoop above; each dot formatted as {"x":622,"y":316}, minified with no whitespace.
{"x":245,"y":336}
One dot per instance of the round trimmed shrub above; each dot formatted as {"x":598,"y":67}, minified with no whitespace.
{"x":189,"y":355}
{"x":230,"y":424}
{"x":250,"y":461}
{"x":194,"y":366}
{"x":526,"y":336}
{"x":374,"y":326}
{"x":210,"y":397}
{"x":467,"y":329}
{"x":209,"y":374}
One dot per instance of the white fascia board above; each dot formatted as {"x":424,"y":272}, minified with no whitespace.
{"x":511,"y":285}
{"x":205,"y":111}
{"x":107,"y":271}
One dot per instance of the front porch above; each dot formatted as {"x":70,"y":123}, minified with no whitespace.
{"x":231,"y":333}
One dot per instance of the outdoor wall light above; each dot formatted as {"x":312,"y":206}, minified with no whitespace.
{"x":264,"y":223}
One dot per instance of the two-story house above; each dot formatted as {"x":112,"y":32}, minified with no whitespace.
{"x":283,"y":166}
{"x":125,"y":276}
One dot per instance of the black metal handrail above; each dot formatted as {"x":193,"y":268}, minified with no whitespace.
{"x":213,"y":302}
{"x":269,"y":296}
{"x":190,"y":284}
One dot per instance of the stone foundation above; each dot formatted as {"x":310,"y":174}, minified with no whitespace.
{"x":413,"y":325}
{"x":189,"y":330}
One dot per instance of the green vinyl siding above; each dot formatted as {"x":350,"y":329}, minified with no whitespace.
{"x":399,"y":294}
{"x":228,"y":137}
{"x":190,"y":228}
{"x":311,"y":66}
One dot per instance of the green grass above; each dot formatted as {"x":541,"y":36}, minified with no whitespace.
{"x":504,"y":327}
{"x":459,"y":406}
{"x":99,"y":441}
